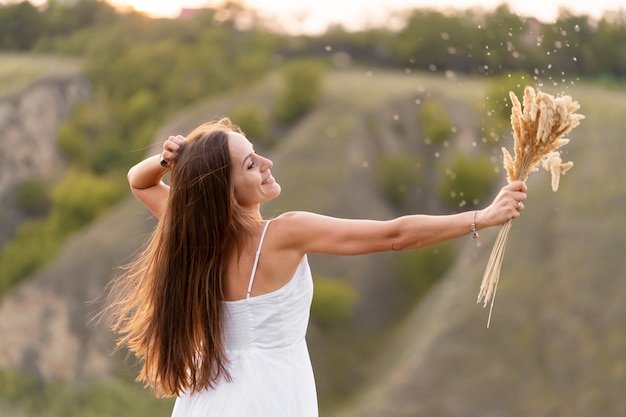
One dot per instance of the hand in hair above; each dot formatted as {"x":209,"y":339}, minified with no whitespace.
{"x":171,"y":147}
{"x":145,"y":178}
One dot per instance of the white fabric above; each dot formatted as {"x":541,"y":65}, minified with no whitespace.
{"x":269,"y":360}
{"x":256,"y":260}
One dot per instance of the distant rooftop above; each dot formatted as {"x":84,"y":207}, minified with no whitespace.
{"x":187,"y":13}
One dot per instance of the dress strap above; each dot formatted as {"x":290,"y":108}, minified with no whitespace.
{"x":256,"y":260}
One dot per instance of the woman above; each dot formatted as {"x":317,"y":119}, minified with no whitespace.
{"x":217,"y":305}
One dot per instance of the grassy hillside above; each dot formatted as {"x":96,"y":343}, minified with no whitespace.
{"x":556,"y":343}
{"x":18,"y":71}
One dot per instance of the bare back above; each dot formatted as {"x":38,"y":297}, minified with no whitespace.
{"x":275,"y":266}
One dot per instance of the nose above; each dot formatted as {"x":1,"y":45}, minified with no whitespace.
{"x":267,"y":163}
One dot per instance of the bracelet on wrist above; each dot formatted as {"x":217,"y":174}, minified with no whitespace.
{"x":163,"y":162}
{"x":473,"y":229}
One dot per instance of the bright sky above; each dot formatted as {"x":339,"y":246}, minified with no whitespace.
{"x":313,"y":16}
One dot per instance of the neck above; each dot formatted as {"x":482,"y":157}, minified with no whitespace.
{"x":253,"y":213}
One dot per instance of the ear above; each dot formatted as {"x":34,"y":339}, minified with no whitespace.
{"x":233,"y":199}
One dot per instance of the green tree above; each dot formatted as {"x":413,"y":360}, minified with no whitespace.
{"x":468,"y":180}
{"x":32,"y":197}
{"x":497,"y":103}
{"x":610,"y":40}
{"x":64,"y":18}
{"x":569,"y":47}
{"x":396,"y":175}
{"x":21,"y":24}
{"x":80,"y":198}
{"x":90,"y":130}
{"x":434,"y":41}
{"x":35,"y":243}
{"x":253,"y":121}
{"x":502,"y":42}
{"x":302,"y":89}
{"x":77,"y":200}
{"x":437,"y":125}
{"x":418,"y":270}
{"x":334,"y":301}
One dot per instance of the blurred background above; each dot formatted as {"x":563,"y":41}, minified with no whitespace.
{"x":368,"y":109}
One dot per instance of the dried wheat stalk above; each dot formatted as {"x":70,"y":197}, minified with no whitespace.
{"x":538,"y":131}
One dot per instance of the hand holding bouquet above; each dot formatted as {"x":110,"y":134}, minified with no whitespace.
{"x":538,"y":131}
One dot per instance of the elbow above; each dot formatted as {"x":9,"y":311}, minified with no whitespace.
{"x":410,"y":233}
{"x":395,"y":241}
{"x":401,"y":243}
{"x":132,"y":179}
{"x":404,"y":246}
{"x":399,"y":238}
{"x":397,"y":247}
{"x":406,"y":238}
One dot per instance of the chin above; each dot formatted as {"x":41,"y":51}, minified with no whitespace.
{"x":278,"y":191}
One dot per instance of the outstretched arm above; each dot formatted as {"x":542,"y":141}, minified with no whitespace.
{"x":146,"y":178}
{"x":312,"y":233}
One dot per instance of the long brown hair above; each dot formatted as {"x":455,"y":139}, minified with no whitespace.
{"x":167,"y":304}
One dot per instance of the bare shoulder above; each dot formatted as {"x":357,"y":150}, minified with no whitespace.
{"x":295,"y":217}
{"x":295,"y":222}
{"x":290,"y":223}
{"x":291,"y":229}
{"x":306,"y":232}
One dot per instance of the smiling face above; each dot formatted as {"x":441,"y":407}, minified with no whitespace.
{"x":252,"y":179}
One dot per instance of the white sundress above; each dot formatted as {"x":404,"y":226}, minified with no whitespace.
{"x":269,"y":359}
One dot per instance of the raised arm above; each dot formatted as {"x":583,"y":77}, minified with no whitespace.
{"x":312,"y":233}
{"x":146,"y":178}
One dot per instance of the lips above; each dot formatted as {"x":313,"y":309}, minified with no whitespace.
{"x":270,"y":180}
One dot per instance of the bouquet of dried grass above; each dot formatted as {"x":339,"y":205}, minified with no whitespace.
{"x":538,"y":132}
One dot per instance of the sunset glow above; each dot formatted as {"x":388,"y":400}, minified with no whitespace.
{"x":314,"y":16}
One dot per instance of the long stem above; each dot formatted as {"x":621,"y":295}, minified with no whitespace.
{"x":491,"y":277}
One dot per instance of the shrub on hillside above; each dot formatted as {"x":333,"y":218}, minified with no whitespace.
{"x":32,"y":197}
{"x":497,"y":103}
{"x":27,"y":395}
{"x":91,"y":144}
{"x":302,"y":90}
{"x":468,"y":180}
{"x":140,"y":107}
{"x":80,"y":135}
{"x":80,"y":198}
{"x":396,"y":175}
{"x":34,"y":244}
{"x":253,"y":121}
{"x":334,"y":301}
{"x":418,"y":270}
{"x":437,"y":125}
{"x":71,"y":141}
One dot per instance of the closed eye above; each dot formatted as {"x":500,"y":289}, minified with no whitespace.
{"x":252,"y":163}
